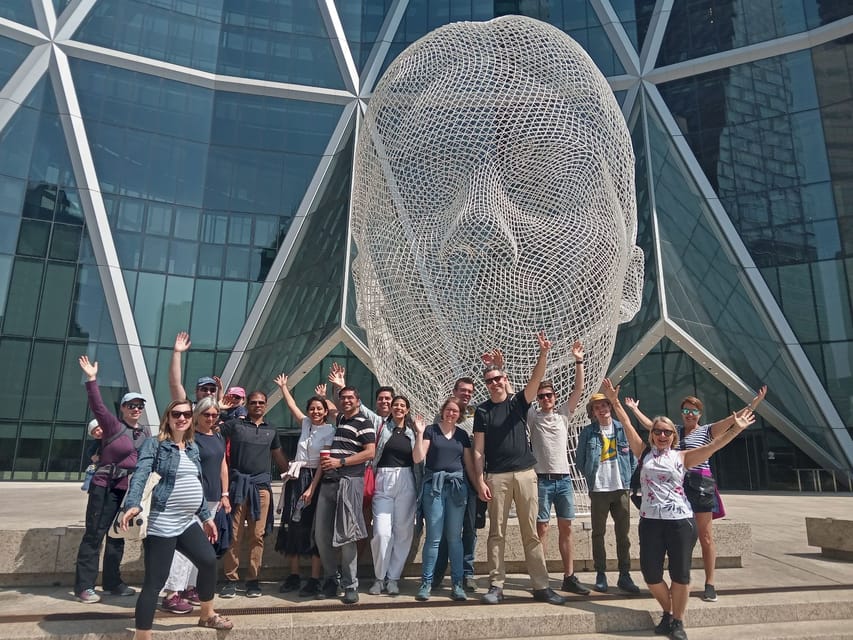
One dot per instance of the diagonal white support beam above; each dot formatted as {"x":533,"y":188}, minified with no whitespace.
{"x":19,"y":86}
{"x":45,"y":16}
{"x":204,"y":79}
{"x":380,"y":49}
{"x":340,"y":44}
{"x":617,"y":35}
{"x":95,"y":214}
{"x":21,"y":32}
{"x":71,"y":19}
{"x":654,"y":35}
{"x":759,"y":51}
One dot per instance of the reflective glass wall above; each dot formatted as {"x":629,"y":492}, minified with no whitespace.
{"x":187,"y":166}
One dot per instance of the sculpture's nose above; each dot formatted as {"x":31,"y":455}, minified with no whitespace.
{"x":483,"y":222}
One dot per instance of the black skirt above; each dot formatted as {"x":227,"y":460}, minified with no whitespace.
{"x":294,"y":538}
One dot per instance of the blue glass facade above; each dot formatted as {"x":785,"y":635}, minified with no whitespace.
{"x":210,"y":144}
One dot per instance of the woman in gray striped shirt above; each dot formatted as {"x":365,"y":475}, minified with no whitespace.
{"x":176,"y":503}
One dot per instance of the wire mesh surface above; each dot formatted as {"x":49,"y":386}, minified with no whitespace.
{"x":493,"y":197}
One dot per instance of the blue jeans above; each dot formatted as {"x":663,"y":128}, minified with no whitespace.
{"x":443,"y":516}
{"x":469,"y":541}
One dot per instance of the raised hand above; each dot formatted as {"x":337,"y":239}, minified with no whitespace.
{"x":743,"y":418}
{"x":227,"y":403}
{"x":631,"y":403}
{"x":218,"y":382}
{"x":577,"y":350}
{"x":611,"y":392}
{"x":758,"y":398}
{"x":182,"y":342}
{"x":320,"y":390}
{"x":494,"y":357}
{"x":89,"y":368}
{"x":337,"y":375}
{"x":420,"y":425}
{"x":544,"y":343}
{"x":281,"y":380}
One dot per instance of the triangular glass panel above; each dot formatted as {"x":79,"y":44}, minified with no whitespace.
{"x":362,"y":22}
{"x":277,"y":41}
{"x":18,"y":11}
{"x":635,"y":16}
{"x":707,"y":297}
{"x":12,"y":54}
{"x":307,"y":303}
{"x":632,"y":332}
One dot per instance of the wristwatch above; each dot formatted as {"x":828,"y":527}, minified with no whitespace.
{"x":343,"y":462}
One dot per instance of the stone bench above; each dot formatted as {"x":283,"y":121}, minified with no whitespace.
{"x":833,"y":536}
{"x":45,"y":556}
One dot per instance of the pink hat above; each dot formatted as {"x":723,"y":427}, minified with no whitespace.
{"x":240,"y":392}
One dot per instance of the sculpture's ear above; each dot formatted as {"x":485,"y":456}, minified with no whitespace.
{"x":632,"y":286}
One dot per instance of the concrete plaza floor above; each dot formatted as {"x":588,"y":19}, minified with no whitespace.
{"x":782,"y":580}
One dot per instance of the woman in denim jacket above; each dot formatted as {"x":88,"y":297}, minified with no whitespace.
{"x":176,"y":502}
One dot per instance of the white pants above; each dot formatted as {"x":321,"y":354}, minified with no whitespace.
{"x":393,"y":520}
{"x":184,"y":573}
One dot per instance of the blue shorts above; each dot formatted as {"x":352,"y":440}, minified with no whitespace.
{"x":561,"y":494}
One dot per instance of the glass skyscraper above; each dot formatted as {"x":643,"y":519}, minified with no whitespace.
{"x":171,"y":165}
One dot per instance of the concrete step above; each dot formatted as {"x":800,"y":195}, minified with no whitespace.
{"x":39,"y":614}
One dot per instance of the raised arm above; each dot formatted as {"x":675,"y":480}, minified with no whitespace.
{"x":109,"y":423}
{"x":281,"y":381}
{"x":337,"y":377}
{"x":419,"y":451}
{"x":176,"y":388}
{"x":721,"y":426}
{"x":634,"y":440}
{"x":644,"y":420}
{"x":539,"y":368}
{"x":577,"y":389}
{"x":740,"y":421}
{"x":320,"y":391}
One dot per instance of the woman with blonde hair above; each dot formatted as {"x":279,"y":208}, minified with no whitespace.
{"x":175,"y":502}
{"x":667,"y":528}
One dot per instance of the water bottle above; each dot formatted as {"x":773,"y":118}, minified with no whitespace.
{"x":90,"y":472}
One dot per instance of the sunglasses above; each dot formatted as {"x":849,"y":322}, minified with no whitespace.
{"x":135,"y":406}
{"x":207,"y":389}
{"x":177,"y":414}
{"x":493,"y":380}
{"x":211,"y":414}
{"x":690,"y":412}
{"x":663,"y":432}
{"x":542,"y":396}
{"x":261,"y":402}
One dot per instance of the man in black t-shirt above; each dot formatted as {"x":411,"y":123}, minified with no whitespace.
{"x":341,"y":495}
{"x":503,"y":451}
{"x":252,"y":440}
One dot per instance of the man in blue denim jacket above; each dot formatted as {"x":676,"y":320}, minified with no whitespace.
{"x":605,"y":459}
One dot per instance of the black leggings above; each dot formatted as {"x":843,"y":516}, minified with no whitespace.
{"x":673,"y":538}
{"x":193,"y":543}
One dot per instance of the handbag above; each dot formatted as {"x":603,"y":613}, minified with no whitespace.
{"x":369,"y":483}
{"x":700,"y":490}
{"x":137,"y":528}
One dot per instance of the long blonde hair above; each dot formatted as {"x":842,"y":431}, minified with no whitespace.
{"x":166,"y":431}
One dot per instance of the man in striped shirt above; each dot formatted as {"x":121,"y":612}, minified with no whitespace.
{"x":341,"y":494}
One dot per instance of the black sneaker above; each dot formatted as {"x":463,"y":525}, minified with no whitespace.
{"x":494,"y":595}
{"x":550,"y":596}
{"x":311,"y":588}
{"x":253,"y":589}
{"x":123,"y":590}
{"x":665,"y":624}
{"x":571,"y":584}
{"x":350,"y":595}
{"x":329,"y":590}
{"x":229,"y":590}
{"x":291,"y":583}
{"x":600,"y":582}
{"x":710,"y":594}
{"x":676,"y":630}
{"x":626,"y":585}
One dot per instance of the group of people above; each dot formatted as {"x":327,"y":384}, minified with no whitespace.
{"x":213,"y":456}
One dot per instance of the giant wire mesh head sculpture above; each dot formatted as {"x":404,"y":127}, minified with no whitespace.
{"x":493,"y":197}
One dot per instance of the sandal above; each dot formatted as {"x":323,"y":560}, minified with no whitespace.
{"x":216,"y":621}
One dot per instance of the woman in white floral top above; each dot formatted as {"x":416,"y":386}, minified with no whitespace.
{"x":667,"y":527}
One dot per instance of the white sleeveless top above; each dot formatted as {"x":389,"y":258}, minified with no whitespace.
{"x":661,"y":484}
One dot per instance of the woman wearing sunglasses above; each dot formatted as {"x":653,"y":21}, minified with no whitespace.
{"x":172,"y":523}
{"x":703,"y":502}
{"x":667,"y":528}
